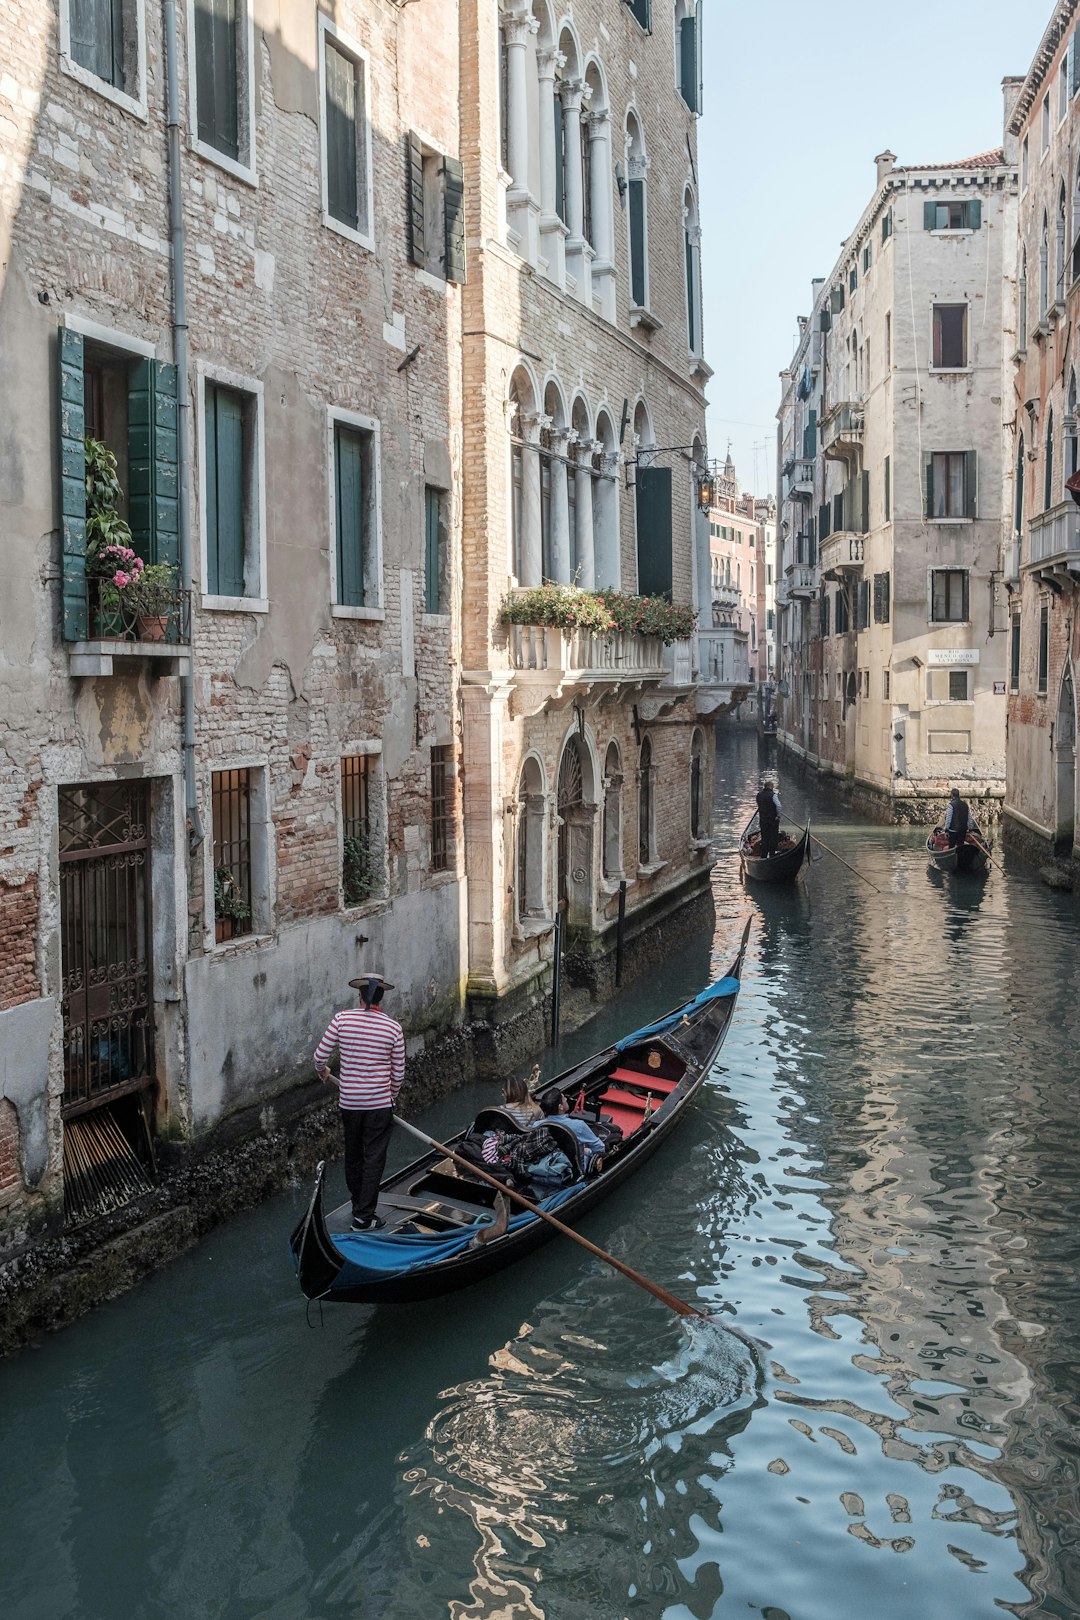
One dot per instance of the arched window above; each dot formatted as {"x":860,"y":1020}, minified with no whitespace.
{"x":1076,"y":224}
{"x":606,"y":504}
{"x":1018,"y":510}
{"x":598,"y":189}
{"x":692,"y":255}
{"x":570,"y":794}
{"x":531,"y":818}
{"x":697,"y":785}
{"x":525,"y":508}
{"x":613,"y":812}
{"x":1021,"y":336}
{"x":688,"y":50}
{"x":1044,"y":268}
{"x":1071,"y":458}
{"x":1059,"y":248}
{"x":1048,"y":471}
{"x":637,"y":166}
{"x":646,"y":843}
{"x":554,"y":488}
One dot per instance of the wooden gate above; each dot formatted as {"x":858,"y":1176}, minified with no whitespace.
{"x":105,"y":929}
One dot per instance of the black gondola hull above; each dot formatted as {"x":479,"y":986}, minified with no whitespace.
{"x":967,"y":857}
{"x":780,"y":868}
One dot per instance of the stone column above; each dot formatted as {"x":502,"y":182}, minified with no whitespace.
{"x":552,"y":229}
{"x":603,"y":226}
{"x":583,"y":499}
{"x":519,"y":25}
{"x":606,"y":569}
{"x":573,"y":92}
{"x":532,"y":559}
{"x":560,"y":508}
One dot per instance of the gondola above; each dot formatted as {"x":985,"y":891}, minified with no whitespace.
{"x":434,"y":1211}
{"x":973,"y":855}
{"x":784,"y":866}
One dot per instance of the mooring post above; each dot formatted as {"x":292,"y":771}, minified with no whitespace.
{"x":556,"y":979}
{"x":620,"y":930}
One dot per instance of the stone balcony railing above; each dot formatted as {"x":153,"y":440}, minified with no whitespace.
{"x":842,"y":553}
{"x":538,"y":650}
{"x":802,"y":581}
{"x":116,"y":630}
{"x":842,"y":428}
{"x":726,"y":596}
{"x":1055,"y":539}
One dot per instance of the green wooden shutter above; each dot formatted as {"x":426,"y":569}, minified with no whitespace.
{"x":349,"y":475}
{"x":838,"y":512}
{"x":809,"y":447}
{"x":69,"y":348}
{"x":432,"y":556}
{"x":97,"y":38}
{"x":886,"y":596}
{"x":1075,"y":81}
{"x":973,"y":213}
{"x":454,"y":218}
{"x":864,"y":502}
{"x":653,"y":504}
{"x":688,"y":67}
{"x":824,"y":521}
{"x":414,"y":199}
{"x":825,"y":321}
{"x":971,"y":484}
{"x":929,"y":216}
{"x":637,"y":243}
{"x":836,"y":299}
{"x":342,"y":192}
{"x":642,"y":11}
{"x":964,"y":586}
{"x":224,"y":492}
{"x":928,"y":485}
{"x":216,"y":78}
{"x":153,"y":489}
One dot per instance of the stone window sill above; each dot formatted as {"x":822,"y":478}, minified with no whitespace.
{"x":374,"y":615}
{"x":236,"y":604}
{"x":651,"y":868}
{"x":232,"y":947}
{"x":641,"y":317}
{"x":532,"y":927}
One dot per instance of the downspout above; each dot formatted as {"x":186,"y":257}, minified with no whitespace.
{"x":180,"y":353}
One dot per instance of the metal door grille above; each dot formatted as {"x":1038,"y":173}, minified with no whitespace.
{"x":105,"y":942}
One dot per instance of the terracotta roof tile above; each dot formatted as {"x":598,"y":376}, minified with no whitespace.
{"x":982,"y":160}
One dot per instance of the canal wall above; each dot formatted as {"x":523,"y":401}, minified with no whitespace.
{"x":1057,"y":870}
{"x":276,"y":1142}
{"x":909,"y":809}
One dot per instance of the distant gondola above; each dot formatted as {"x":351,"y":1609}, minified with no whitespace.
{"x":784,"y":866}
{"x":434,"y":1211}
{"x":973,"y":855}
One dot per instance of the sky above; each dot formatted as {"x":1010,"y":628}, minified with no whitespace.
{"x":799,"y":97}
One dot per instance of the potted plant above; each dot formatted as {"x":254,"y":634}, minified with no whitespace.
{"x":111,"y":564}
{"x":230,"y":907}
{"x":152,"y":597}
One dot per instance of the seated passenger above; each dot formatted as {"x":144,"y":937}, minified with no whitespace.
{"x":518,"y":1103}
{"x":556,"y":1106}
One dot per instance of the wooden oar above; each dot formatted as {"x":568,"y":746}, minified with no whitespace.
{"x":673,"y":1303}
{"x":837,"y":857}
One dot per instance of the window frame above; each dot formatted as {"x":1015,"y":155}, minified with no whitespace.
{"x":254,"y":523}
{"x":374,"y":583}
{"x":961,"y":304}
{"x":377,"y":823}
{"x":349,"y":47}
{"x":442,"y":770}
{"x":136,"y":104}
{"x":263,"y":871}
{"x":441,"y":614}
{"x":956,"y":675}
{"x":1042,"y":666}
{"x":965,"y":596}
{"x":244,"y":167}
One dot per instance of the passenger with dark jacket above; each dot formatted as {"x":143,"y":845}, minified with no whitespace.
{"x":555,"y":1106}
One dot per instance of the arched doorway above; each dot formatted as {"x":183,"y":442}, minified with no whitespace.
{"x":1065,"y":765}
{"x":575,"y":806}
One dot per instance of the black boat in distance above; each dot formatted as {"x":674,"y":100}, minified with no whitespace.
{"x":435,"y":1212}
{"x":973,"y":855}
{"x":784,"y":866}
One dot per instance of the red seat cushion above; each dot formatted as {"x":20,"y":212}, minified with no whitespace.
{"x":627,"y":1122}
{"x":635,"y":1077}
{"x":623,"y":1099}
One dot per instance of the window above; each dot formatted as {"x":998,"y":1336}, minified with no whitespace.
{"x":950,"y":337}
{"x":356,"y":586}
{"x":866,"y":256}
{"x":531,"y":824}
{"x":232,"y":505}
{"x":345,"y":135}
{"x":223,"y":111}
{"x":958,"y":686}
{"x":1024,"y":162}
{"x":1044,"y":648}
{"x":1044,"y":268}
{"x":863,"y":603}
{"x":436,"y":584}
{"x":638,"y":214}
{"x":1048,"y":467}
{"x":824,"y":615}
{"x":642,"y":10}
{"x":1021,"y":336}
{"x":645,"y":803}
{"x":1059,"y":248}
{"x":843,"y":612}
{"x":886,"y":225}
{"x":698,"y":828}
{"x":1018,"y":511}
{"x":886,"y":683}
{"x":687,"y":19}
{"x":881,"y":598}
{"x":435,"y":211}
{"x":361,"y":863}
{"x":1046,"y":122}
{"x":442,"y":807}
{"x":692,"y":254}
{"x":1063,"y":84}
{"x":613,"y":812}
{"x":949,"y":595}
{"x":1014,"y":653}
{"x":102,"y":44}
{"x":853,"y":278}
{"x":888,"y":339}
{"x":953,"y":216}
{"x":951,"y":484}
{"x":230,"y":798}
{"x":887,"y":489}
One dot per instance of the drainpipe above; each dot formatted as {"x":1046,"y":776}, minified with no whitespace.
{"x":180,"y":352}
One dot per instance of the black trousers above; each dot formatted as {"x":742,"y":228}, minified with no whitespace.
{"x":367,"y":1139}
{"x":770,"y":837}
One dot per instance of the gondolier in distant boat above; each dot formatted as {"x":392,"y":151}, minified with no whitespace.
{"x":769,"y":812}
{"x":957,"y":819}
{"x":371,"y":1063}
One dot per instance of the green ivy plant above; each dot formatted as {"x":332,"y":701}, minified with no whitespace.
{"x":605,"y":613}
{"x":359,"y":878}
{"x":228,"y":901}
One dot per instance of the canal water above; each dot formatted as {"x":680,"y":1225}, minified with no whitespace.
{"x":879,"y":1183}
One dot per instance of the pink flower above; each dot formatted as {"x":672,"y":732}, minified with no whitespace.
{"x":121,"y":580}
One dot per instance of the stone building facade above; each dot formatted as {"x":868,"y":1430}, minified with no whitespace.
{"x":892,"y":617}
{"x":1041,"y":552}
{"x":584,"y":764}
{"x":736,"y":632}
{"x":211,"y":816}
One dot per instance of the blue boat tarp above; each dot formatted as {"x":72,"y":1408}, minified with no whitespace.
{"x":717,"y":991}
{"x":374,"y":1257}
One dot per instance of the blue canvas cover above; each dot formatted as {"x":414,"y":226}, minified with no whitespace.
{"x":716,"y":991}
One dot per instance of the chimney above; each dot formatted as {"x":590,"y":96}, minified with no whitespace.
{"x":1010,"y":90}
{"x":885,"y":163}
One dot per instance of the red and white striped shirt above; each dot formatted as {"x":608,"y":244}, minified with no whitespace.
{"x":372,"y":1049}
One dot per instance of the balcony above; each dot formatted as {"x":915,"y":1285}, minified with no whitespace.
{"x":1010,"y":561}
{"x":842,"y":430}
{"x":550,"y":667}
{"x":801,"y":478}
{"x":117,"y":635}
{"x":802,"y":582}
{"x":1055,"y":545}
{"x":726,"y":597}
{"x":842,"y":553}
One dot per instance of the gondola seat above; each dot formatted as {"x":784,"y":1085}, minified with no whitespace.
{"x":643,"y":1077}
{"x":493,"y":1118}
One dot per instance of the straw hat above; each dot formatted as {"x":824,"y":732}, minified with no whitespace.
{"x":370,"y":978}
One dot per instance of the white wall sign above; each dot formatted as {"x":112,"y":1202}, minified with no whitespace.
{"x":953,"y":655}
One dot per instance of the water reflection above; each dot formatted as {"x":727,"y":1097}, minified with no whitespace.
{"x":879,"y":1182}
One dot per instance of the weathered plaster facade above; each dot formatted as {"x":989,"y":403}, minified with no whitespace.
{"x":1041,"y":552}
{"x":892,"y":619}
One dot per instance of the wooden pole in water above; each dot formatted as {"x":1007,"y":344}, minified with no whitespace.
{"x":673,"y":1303}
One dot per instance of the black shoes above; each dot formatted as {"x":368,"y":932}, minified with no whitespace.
{"x":372,"y":1224}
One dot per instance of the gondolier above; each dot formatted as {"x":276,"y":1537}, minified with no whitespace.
{"x":769,"y":809}
{"x":371,"y":1063}
{"x":957,"y":818}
